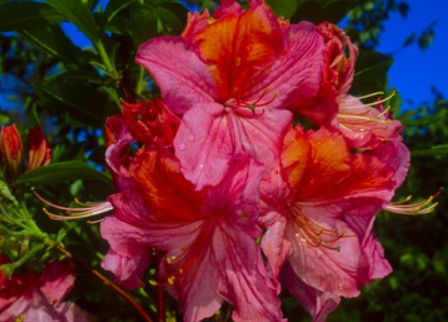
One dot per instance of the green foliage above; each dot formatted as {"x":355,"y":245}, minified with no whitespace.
{"x":62,"y":172}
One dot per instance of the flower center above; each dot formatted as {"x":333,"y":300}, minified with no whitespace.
{"x":311,"y":233}
{"x":257,"y":105}
{"x":185,"y":266}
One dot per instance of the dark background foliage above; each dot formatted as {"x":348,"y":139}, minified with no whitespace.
{"x":71,"y":90}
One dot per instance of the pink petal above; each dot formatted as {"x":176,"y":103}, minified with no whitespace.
{"x":362,"y":224}
{"x":244,"y":281}
{"x":296,"y":77}
{"x":209,"y":139}
{"x":57,"y":280}
{"x":275,"y":246}
{"x":183,"y":78}
{"x":318,"y":304}
{"x":128,"y":270}
{"x":396,"y":155}
{"x":72,"y":312}
{"x":198,"y":297}
{"x":125,"y":239}
{"x":340,"y":272}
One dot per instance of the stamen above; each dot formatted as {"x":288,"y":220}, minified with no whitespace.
{"x":88,"y":210}
{"x":363,"y":118}
{"x":315,"y":235}
{"x":423,"y":207}
{"x":371,"y":95}
{"x":372,"y":103}
{"x":187,"y":263}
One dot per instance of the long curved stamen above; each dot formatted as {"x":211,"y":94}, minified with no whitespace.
{"x":316,"y":236}
{"x":363,"y":118}
{"x":423,"y":207}
{"x":371,"y":104}
{"x":371,"y":95}
{"x":88,"y":210}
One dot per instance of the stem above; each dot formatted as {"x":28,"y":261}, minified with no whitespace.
{"x":110,"y":68}
{"x":160,"y":296}
{"x":11,"y":267}
{"x":107,"y":282}
{"x":139,"y":87}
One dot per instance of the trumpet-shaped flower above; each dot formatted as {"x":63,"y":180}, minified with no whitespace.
{"x":321,"y":218}
{"x":337,"y":75}
{"x":30,"y":297}
{"x":209,"y":237}
{"x":231,"y":76}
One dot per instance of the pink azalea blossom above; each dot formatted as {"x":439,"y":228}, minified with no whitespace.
{"x":231,"y":76}
{"x":321,"y":207}
{"x":365,"y":125}
{"x":209,"y":237}
{"x":30,"y":297}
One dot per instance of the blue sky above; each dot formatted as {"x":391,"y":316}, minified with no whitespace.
{"x":415,"y":71}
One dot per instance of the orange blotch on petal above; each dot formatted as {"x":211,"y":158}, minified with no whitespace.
{"x":239,"y":46}
{"x":168,"y":195}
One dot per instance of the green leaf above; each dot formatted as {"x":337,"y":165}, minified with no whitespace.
{"x":434,"y":150}
{"x":62,"y":172}
{"x":79,"y":14}
{"x":143,"y":24}
{"x":172,"y":23}
{"x":89,"y":76}
{"x":323,"y":10}
{"x":115,"y":6}
{"x":84,"y":101}
{"x":284,"y":8}
{"x":54,"y":41}
{"x":394,"y":102}
{"x":371,"y":72}
{"x":17,"y":16}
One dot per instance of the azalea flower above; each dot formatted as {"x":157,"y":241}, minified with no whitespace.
{"x":33,"y":297}
{"x":231,"y":76}
{"x":364,"y":125}
{"x":320,"y":215}
{"x":209,"y":236}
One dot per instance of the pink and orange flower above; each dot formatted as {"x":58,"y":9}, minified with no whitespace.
{"x":215,"y":176}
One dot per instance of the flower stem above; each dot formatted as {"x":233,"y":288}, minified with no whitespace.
{"x":106,"y":282}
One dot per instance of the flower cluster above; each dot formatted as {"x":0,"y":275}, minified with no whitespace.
{"x":222,"y":175}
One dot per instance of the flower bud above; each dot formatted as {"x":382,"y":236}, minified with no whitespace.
{"x":11,"y":149}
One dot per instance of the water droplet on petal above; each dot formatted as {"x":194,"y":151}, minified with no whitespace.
{"x":201,"y":166}
{"x":190,"y":138}
{"x":182,"y":146}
